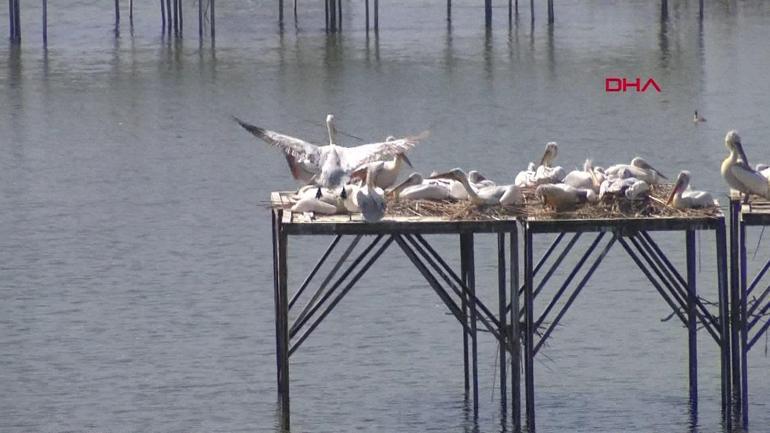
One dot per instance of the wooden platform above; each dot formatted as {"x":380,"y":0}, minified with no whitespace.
{"x":756,"y":212}
{"x":298,"y":223}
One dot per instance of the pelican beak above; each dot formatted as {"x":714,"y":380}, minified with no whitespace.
{"x":406,"y":159}
{"x":544,"y":158}
{"x":741,"y":153}
{"x":445,"y":175}
{"x":677,"y":188}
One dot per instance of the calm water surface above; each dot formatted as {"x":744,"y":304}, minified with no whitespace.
{"x":135,"y":267}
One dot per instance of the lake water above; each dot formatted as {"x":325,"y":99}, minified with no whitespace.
{"x":135,"y":266}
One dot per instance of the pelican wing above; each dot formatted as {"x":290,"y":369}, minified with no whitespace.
{"x":300,"y":150}
{"x":752,"y":180}
{"x":354,"y":157}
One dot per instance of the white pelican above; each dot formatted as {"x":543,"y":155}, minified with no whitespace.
{"x":683,"y":198}
{"x":563,"y":197}
{"x":314,"y":205}
{"x":415,"y":187}
{"x":478,"y":180}
{"x":585,"y":178}
{"x":389,"y":173}
{"x":331,"y":165}
{"x":696,"y":118}
{"x":369,"y":198}
{"x":737,"y":172}
{"x":506,"y":195}
{"x":640,"y":169}
{"x":545,"y":172}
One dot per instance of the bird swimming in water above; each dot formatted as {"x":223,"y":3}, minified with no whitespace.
{"x":697,"y":118}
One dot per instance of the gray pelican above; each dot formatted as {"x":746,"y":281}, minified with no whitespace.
{"x":415,"y":187}
{"x":586,"y":178}
{"x":331,"y":165}
{"x":697,"y":118}
{"x":640,"y":169}
{"x":506,"y":195}
{"x":369,"y":198}
{"x":563,"y":197}
{"x":737,"y":172}
{"x":683,"y":198}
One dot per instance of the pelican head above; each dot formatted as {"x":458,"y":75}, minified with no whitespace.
{"x":330,"y":128}
{"x":455,"y":174}
{"x":551,"y":150}
{"x":475,"y":177}
{"x":640,"y":162}
{"x":390,"y":138}
{"x":402,"y":156}
{"x":682,"y":182}
{"x":733,"y":144}
{"x":412,"y":180}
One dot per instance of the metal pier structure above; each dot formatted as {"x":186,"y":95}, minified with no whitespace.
{"x":678,"y":288}
{"x":455,"y":289}
{"x":749,"y":307}
{"x":524,"y":309}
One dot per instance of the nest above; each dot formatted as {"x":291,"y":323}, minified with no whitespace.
{"x":609,"y":207}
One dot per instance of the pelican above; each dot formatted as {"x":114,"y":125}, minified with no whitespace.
{"x":629,"y":187}
{"x":369,"y":198}
{"x":551,"y":150}
{"x":543,"y":173}
{"x":640,"y":169}
{"x":331,"y":165}
{"x":737,"y":172}
{"x":415,"y":187}
{"x":506,"y":195}
{"x":683,"y":198}
{"x":390,"y":170}
{"x":563,"y":197}
{"x":696,"y":118}
{"x":314,"y":205}
{"x":585,"y":178}
{"x":478,"y":180}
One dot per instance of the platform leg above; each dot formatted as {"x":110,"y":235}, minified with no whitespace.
{"x":464,"y":303}
{"x":502,"y":304}
{"x":724,"y":315}
{"x":515,"y":335}
{"x":284,"y":327}
{"x":529,"y":354}
{"x":692,"y":321}
{"x":277,"y":301}
{"x":735,"y":296}
{"x":744,"y":326}
{"x":467,"y":248}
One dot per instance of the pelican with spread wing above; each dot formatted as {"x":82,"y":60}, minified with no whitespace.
{"x":329,"y":166}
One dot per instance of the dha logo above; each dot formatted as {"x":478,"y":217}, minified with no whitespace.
{"x":622,"y":84}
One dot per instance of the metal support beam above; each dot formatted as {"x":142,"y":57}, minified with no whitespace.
{"x":515,"y":336}
{"x":501,"y":289}
{"x":692,"y":321}
{"x":724,"y":322}
{"x":529,"y":331}
{"x":317,"y":266}
{"x":744,"y":330}
{"x":467,"y":255}
{"x":283,"y":308}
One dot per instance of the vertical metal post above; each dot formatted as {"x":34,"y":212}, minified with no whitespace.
{"x":532,"y":10}
{"x":376,"y":15}
{"x":11,"y":21}
{"x":529,"y":332}
{"x":131,"y":12}
{"x":449,"y":10}
{"x":510,"y":10}
{"x":45,"y":22}
{"x":117,"y":13}
{"x":284,"y":325}
{"x":181,"y":17}
{"x":700,"y":9}
{"x":163,"y":15}
{"x":339,"y":13}
{"x":488,"y":13}
{"x":333,"y":15}
{"x":295,"y":10}
{"x":692,"y":320}
{"x":502,"y":304}
{"x":464,"y":306}
{"x":176,"y":17}
{"x":515,"y":335}
{"x":366,"y":8}
{"x":550,"y":12}
{"x":744,"y":322}
{"x":735,"y":323}
{"x":276,"y":217}
{"x":470,"y":282}
{"x":213,"y":20}
{"x":280,"y":11}
{"x":664,"y":9}
{"x":200,"y":20}
{"x":169,"y":15}
{"x":724,"y":315}
{"x":17,"y":20}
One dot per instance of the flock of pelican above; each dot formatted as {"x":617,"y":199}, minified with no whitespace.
{"x":344,"y":180}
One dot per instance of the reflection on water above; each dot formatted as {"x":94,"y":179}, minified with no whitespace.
{"x":134,"y":239}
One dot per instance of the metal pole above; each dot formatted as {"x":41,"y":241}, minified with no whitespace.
{"x":45,"y":22}
{"x":550,"y":12}
{"x":280,"y":11}
{"x":181,"y":17}
{"x":284,"y":310}
{"x":529,"y":374}
{"x":117,"y":12}
{"x":724,"y":315}
{"x":213,"y":21}
{"x":449,"y":10}
{"x":200,"y":20}
{"x":131,"y":11}
{"x":17,"y":18}
{"x":501,"y":308}
{"x":692,"y":323}
{"x":376,"y":15}
{"x":277,"y":299}
{"x":471,"y":284}
{"x":488,"y":13}
{"x":169,"y":14}
{"x":735,"y":323}
{"x":366,"y":8}
{"x":532,"y":10}
{"x":464,"y":305}
{"x":515,"y":332}
{"x":176,"y":17}
{"x":744,"y":325}
{"x":163,"y":15}
{"x":339,"y":13}
{"x":11,"y":21}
